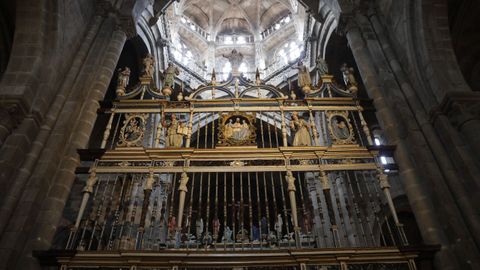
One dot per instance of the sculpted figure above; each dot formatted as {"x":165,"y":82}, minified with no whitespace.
{"x":302,"y":136}
{"x":174,"y":132}
{"x":235,"y":58}
{"x":169,"y":75}
{"x":340,"y":129}
{"x":123,"y":77}
{"x":228,"y":131}
{"x":321,"y":66}
{"x":303,"y":75}
{"x":171,"y":226}
{"x":216,"y":227}
{"x":278,"y":226}
{"x":348,"y":76}
{"x":148,"y":65}
{"x":199,"y":228}
{"x":227,"y":234}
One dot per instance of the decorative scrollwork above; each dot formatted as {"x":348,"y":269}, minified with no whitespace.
{"x":133,"y":130}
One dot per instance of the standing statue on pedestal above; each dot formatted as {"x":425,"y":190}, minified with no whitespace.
{"x":122,"y":81}
{"x":227,"y":235}
{"x":171,"y":227}
{"x":235,"y":58}
{"x":169,"y":78}
{"x":264,"y":227}
{"x":215,"y":227}
{"x":278,"y":226}
{"x":302,"y":136}
{"x":199,"y":228}
{"x":148,"y":66}
{"x":349,"y":78}
{"x":304,"y":80}
{"x":175,"y":132}
{"x":321,"y":66}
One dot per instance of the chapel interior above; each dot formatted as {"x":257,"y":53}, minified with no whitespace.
{"x":240,"y":134}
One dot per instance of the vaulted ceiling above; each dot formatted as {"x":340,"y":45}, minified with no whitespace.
{"x":235,"y":16}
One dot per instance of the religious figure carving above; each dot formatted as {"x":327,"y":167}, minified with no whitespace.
{"x":227,"y":235}
{"x":199,"y":228}
{"x":148,"y":65}
{"x":302,"y":136}
{"x":175,"y":132}
{"x":307,"y":222}
{"x":264,"y":226}
{"x":171,"y":227}
{"x":278,"y":226}
{"x":235,"y":58}
{"x":169,"y":76}
{"x":340,"y":128}
{"x":304,"y":80}
{"x":240,"y":131}
{"x":132,"y":132}
{"x":122,"y":81}
{"x":321,"y":66}
{"x":349,"y":78}
{"x":255,"y":233}
{"x":163,"y":230}
{"x":215,"y":227}
{"x":237,"y":129}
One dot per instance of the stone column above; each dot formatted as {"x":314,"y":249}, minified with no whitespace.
{"x":52,"y":208}
{"x":419,"y":198}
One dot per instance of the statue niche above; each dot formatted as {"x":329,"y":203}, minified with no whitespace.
{"x":237,"y":129}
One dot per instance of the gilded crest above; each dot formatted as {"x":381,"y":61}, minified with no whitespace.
{"x":237,"y":129}
{"x":133,"y":130}
{"x":339,"y":127}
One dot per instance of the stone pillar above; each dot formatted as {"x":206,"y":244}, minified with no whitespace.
{"x":21,"y":178}
{"x":52,"y":207}
{"x":419,"y":198}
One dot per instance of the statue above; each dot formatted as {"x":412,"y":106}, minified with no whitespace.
{"x":278,"y":226}
{"x":122,"y":81}
{"x":302,"y":136}
{"x":239,"y":130}
{"x":340,"y":128}
{"x":175,"y":132}
{"x":171,"y":226}
{"x":307,"y":222}
{"x":216,"y":227}
{"x":235,"y":58}
{"x":264,"y":225}
{"x":199,"y":228}
{"x":163,"y":230}
{"x":227,"y":235}
{"x":321,"y":66}
{"x":255,"y":233}
{"x":148,"y":65}
{"x":304,"y":80}
{"x":169,"y":76}
{"x":349,"y":78}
